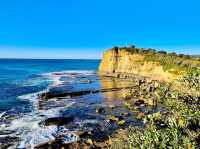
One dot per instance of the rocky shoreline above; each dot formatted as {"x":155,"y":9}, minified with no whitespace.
{"x":138,"y":99}
{"x":134,"y":96}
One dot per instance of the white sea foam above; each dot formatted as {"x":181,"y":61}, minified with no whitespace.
{"x":82,"y":123}
{"x":33,"y":98}
{"x":48,"y":134}
{"x":2,"y":114}
{"x":38,"y":136}
{"x":33,"y":82}
{"x":57,"y":81}
{"x":66,"y":135}
{"x":56,"y":76}
{"x":29,"y":130}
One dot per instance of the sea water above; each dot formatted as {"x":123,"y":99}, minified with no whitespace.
{"x":21,"y":80}
{"x":24,"y":76}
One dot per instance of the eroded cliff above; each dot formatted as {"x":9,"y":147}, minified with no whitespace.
{"x":120,"y":62}
{"x":127,"y":62}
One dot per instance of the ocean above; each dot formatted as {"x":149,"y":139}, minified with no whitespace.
{"x":20,"y":82}
{"x":24,"y":76}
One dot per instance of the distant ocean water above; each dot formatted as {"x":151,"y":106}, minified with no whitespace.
{"x":24,"y":76}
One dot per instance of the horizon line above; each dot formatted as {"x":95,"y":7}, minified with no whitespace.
{"x":50,"y":58}
{"x":87,"y":53}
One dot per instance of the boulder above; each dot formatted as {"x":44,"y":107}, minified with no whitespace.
{"x":139,"y":102}
{"x":58,"y":121}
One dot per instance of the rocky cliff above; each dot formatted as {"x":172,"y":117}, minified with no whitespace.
{"x":122,"y":63}
{"x":128,"y":62}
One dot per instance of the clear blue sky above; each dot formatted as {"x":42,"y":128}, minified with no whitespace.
{"x":85,"y":28}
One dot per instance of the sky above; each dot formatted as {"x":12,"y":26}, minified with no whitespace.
{"x":86,"y":28}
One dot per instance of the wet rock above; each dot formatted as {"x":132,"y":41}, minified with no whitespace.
{"x":6,"y":142}
{"x":49,"y":95}
{"x":58,"y":121}
{"x":84,"y":134}
{"x":139,"y":102}
{"x":46,"y":95}
{"x":97,"y":132}
{"x":59,"y":145}
{"x":56,"y":93}
{"x":100,"y":110}
{"x":125,"y":114}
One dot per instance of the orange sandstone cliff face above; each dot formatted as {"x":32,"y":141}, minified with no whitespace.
{"x":122,"y":63}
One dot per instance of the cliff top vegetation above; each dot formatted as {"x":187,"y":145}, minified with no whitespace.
{"x":171,"y":62}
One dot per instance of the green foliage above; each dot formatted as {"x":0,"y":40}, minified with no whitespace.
{"x":167,"y":130}
{"x":152,"y":137}
{"x":176,"y":128}
{"x":193,"y":79}
{"x":171,"y":62}
{"x":162,"y":52}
